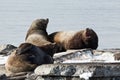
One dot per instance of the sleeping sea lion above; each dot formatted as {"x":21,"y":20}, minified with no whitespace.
{"x":76,"y":40}
{"x":26,"y":58}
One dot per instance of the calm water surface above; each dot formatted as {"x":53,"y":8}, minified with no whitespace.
{"x":101,"y":15}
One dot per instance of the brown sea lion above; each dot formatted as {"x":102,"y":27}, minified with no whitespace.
{"x":38,"y":36}
{"x":37,"y":33}
{"x":76,"y":40}
{"x":26,"y":58}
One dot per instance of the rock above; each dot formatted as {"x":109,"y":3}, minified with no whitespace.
{"x":80,"y":71}
{"x":85,"y":71}
{"x":6,"y":49}
{"x":32,"y":76}
{"x":73,"y":55}
{"x":66,"y":71}
{"x":87,"y":55}
{"x":3,"y":77}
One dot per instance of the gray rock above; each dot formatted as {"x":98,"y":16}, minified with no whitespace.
{"x":6,"y":49}
{"x":84,"y":71}
{"x":31,"y":76}
{"x":72,"y":54}
{"x":63,"y":70}
{"x":3,"y":77}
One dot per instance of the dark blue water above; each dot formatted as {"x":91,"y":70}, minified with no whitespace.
{"x":101,"y":15}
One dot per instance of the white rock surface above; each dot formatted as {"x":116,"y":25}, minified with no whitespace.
{"x":3,"y":59}
{"x":85,"y":56}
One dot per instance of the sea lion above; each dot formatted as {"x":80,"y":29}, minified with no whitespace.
{"x":76,"y":40}
{"x":26,"y":58}
{"x":38,"y":36}
{"x":37,"y":33}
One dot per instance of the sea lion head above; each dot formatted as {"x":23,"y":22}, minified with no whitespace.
{"x":39,"y":24}
{"x":90,"y":38}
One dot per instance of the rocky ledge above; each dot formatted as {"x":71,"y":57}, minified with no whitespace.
{"x":84,"y":64}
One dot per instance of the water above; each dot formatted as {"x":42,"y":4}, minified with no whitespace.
{"x":101,"y":15}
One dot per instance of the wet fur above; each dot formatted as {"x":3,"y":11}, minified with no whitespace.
{"x":26,"y":58}
{"x":76,"y":40}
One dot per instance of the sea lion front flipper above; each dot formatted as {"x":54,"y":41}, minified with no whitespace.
{"x":51,"y":48}
{"x":48,"y":60}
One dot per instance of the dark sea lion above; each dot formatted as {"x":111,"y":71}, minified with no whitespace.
{"x":76,"y":40}
{"x":51,"y":49}
{"x":26,"y":58}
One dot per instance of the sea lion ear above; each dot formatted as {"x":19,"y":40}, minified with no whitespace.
{"x":47,"y":20}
